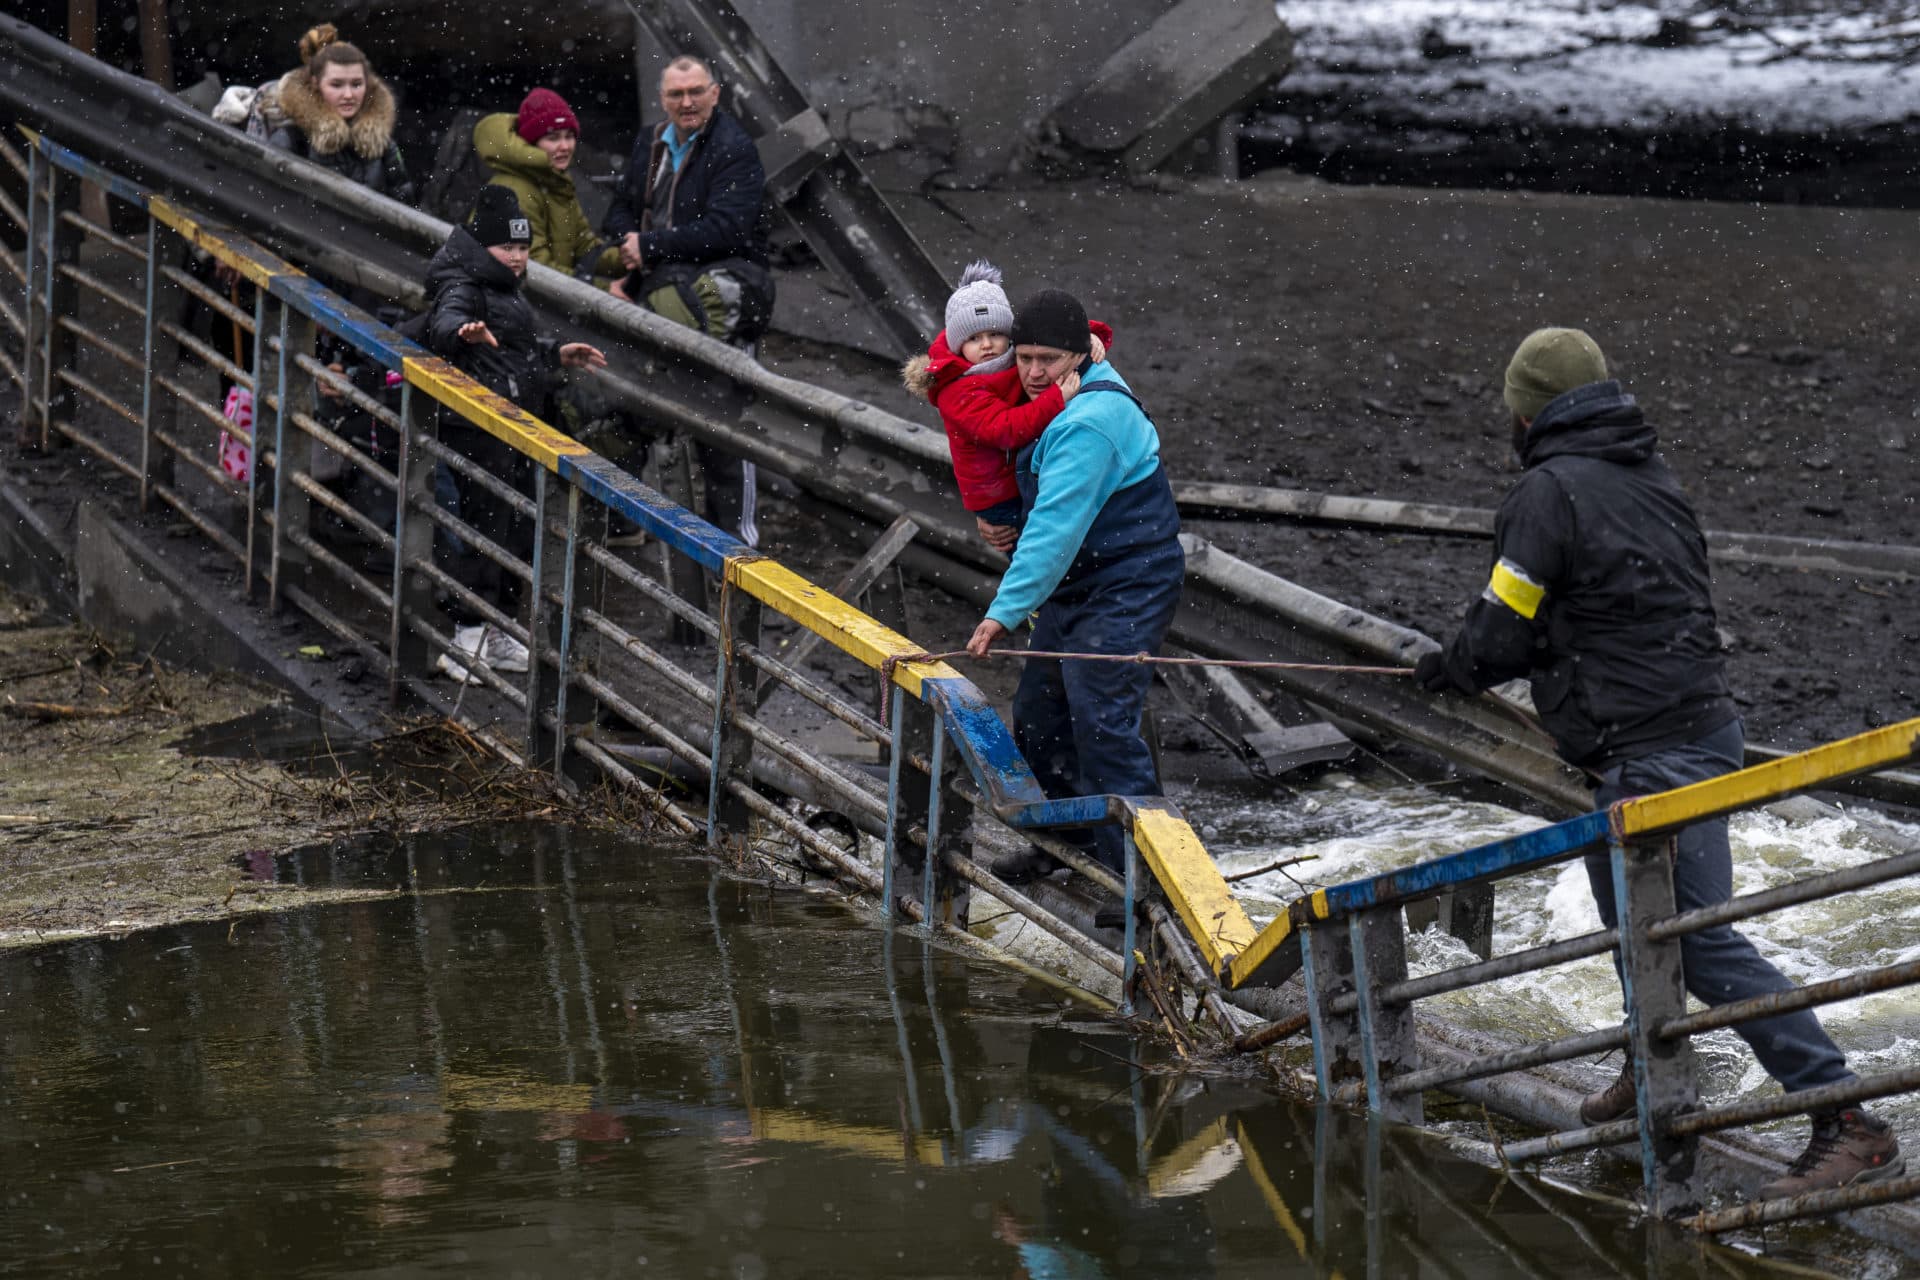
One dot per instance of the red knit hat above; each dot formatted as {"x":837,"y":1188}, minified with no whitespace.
{"x":542,"y":113}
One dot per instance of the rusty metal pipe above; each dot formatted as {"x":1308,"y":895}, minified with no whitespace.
{"x":1728,"y":1015}
{"x":1537,"y":1055}
{"x":1787,"y":895}
{"x":1506,"y":966}
{"x":1812,"y":1205}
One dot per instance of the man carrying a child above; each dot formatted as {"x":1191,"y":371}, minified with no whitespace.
{"x":1098,"y":557}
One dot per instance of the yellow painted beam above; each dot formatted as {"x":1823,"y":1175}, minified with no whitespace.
{"x":1184,"y":868}
{"x":254,"y":263}
{"x":1265,"y":947}
{"x":1880,"y":749}
{"x":495,"y":414}
{"x":834,"y":620}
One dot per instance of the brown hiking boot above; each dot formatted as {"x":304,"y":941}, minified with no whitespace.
{"x":1615,"y":1102}
{"x":1847,"y":1147}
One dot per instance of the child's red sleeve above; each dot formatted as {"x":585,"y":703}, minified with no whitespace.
{"x":976,"y":409}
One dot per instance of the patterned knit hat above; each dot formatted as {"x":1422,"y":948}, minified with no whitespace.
{"x":979,"y":305}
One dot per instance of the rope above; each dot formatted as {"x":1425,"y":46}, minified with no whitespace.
{"x":889,"y":664}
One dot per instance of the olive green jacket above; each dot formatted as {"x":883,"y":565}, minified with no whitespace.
{"x":562,"y":236}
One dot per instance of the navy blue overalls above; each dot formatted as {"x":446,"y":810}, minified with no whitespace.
{"x":1078,"y":723}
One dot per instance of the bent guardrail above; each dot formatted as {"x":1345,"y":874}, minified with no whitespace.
{"x":949,"y":751}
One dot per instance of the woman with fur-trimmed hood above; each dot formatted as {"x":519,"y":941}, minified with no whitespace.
{"x":337,"y":113}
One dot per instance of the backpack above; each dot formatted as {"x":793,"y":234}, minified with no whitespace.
{"x":458,"y":173}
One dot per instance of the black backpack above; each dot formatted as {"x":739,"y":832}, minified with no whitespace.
{"x":458,"y":173}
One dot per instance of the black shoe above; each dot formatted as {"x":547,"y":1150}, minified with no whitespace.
{"x":1025,"y":867}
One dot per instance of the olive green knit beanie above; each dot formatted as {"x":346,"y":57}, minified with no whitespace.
{"x":1550,"y":363}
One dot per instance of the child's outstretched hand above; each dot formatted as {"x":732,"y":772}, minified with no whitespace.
{"x":475,"y":332}
{"x":1069,"y":385}
{"x":1096,"y":349}
{"x":581,"y":355}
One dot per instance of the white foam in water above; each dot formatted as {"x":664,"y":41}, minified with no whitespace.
{"x":1353,"y":832}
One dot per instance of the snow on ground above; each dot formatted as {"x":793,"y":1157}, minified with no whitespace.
{"x":1800,"y":67}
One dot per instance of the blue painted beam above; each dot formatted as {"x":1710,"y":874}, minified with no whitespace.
{"x":74,"y":162}
{"x":683,"y":531}
{"x":1539,"y":848}
{"x":335,"y":314}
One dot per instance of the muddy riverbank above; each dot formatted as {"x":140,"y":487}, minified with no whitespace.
{"x":135,"y":794}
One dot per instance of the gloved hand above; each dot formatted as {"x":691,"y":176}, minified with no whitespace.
{"x":1431,"y":672}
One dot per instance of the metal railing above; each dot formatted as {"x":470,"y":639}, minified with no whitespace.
{"x":586,"y":607}
{"x":1349,"y":943}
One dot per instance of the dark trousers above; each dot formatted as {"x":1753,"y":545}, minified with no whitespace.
{"x":490,"y":515}
{"x":1078,"y":723}
{"x":1719,"y":965}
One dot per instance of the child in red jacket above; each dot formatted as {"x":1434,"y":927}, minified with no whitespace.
{"x":969,"y":376}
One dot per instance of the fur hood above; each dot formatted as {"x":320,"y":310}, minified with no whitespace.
{"x":916,"y":375}
{"x":369,"y":132}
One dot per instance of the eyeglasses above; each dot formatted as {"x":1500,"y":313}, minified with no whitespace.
{"x":687,"y":95}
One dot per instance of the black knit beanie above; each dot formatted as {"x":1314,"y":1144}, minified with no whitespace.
{"x":497,"y":219}
{"x":1051,"y":318}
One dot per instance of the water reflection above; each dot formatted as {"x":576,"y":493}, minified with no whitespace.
{"x":559,"y":1054}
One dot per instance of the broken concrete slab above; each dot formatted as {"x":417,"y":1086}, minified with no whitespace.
{"x":1197,"y":62}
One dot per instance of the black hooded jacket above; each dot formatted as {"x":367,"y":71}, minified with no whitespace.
{"x":466,"y":283}
{"x":1600,"y":590}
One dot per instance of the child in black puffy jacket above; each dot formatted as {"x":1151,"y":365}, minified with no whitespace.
{"x":480,"y":322}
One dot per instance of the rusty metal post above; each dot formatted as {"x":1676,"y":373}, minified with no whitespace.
{"x":1327,"y":964}
{"x":27,"y":436}
{"x":1387,"y":1045}
{"x":908,"y":794}
{"x":160,"y":352}
{"x":61,"y":297}
{"x":735,"y":695}
{"x":413,"y":534}
{"x":673,"y":464}
{"x":945,"y":895}
{"x":1655,"y":991}
{"x":292,"y":448}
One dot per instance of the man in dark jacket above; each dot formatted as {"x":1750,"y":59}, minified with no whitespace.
{"x":688,"y":216}
{"x":480,"y":322}
{"x":1600,"y":593}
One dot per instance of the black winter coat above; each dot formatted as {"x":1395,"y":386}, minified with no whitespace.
{"x":466,"y":283}
{"x":716,"y":212}
{"x":1600,"y":590}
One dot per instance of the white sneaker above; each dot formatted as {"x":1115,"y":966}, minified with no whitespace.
{"x":503,"y":653}
{"x":447,"y":666}
{"x":466,"y":640}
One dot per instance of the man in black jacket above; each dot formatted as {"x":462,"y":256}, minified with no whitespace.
{"x":688,"y":216}
{"x":1600,"y":593}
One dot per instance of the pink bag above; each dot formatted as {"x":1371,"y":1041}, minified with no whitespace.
{"x":236,"y":446}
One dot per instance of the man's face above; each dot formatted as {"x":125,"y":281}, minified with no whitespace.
{"x":1041,"y":367}
{"x":688,"y":95}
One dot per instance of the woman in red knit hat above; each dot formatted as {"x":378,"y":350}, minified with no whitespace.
{"x":530,"y":152}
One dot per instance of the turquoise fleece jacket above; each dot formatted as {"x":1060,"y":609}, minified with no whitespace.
{"x":1098,"y":445}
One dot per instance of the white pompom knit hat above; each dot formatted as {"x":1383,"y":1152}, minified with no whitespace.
{"x":979,"y":305}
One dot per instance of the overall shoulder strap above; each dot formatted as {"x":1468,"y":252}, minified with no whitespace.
{"x":1089,"y":387}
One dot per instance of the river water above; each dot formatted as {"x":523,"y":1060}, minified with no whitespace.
{"x":556,"y":1053}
